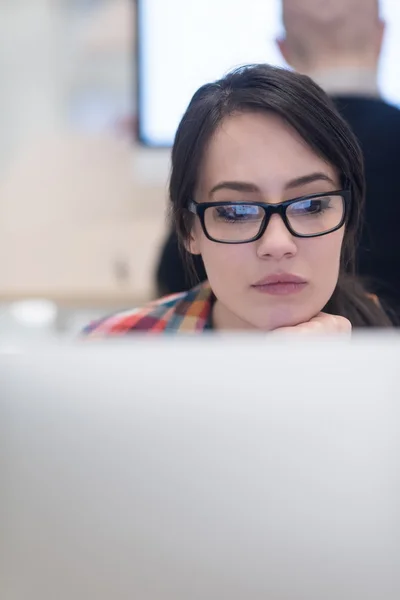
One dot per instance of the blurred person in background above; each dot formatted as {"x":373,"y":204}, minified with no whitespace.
{"x":267,"y":186}
{"x":338,"y":44}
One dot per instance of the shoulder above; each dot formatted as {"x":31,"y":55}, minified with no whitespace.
{"x":148,"y":318}
{"x":375,"y":110}
{"x":377,"y":127}
{"x":187,"y":311}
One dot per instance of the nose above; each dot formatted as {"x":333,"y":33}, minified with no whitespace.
{"x":277,"y":242}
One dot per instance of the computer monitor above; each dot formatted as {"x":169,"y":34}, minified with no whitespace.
{"x":181,"y":45}
{"x":188,"y":468}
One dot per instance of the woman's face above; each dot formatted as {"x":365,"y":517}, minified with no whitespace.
{"x":255,"y":157}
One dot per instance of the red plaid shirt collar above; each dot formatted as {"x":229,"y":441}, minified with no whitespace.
{"x":188,"y":312}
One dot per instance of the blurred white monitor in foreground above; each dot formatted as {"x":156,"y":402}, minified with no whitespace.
{"x":201,"y":469}
{"x":183,"y":44}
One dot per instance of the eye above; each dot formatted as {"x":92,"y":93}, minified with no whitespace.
{"x":310,"y":207}
{"x":237,"y":212}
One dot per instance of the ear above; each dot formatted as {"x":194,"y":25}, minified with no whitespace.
{"x":283,"y":48}
{"x":192,"y":244}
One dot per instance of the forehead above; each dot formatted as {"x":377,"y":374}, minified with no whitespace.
{"x":259,"y":148}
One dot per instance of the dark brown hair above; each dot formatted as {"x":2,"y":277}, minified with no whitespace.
{"x":304,"y":106}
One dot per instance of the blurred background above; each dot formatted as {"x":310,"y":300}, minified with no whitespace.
{"x":83,"y":187}
{"x":82,"y":210}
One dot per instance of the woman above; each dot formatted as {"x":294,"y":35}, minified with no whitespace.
{"x":267,"y":186}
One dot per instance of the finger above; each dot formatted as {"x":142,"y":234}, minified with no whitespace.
{"x":331,"y":323}
{"x":319,"y":325}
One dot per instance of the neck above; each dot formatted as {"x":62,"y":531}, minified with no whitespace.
{"x":347,"y":80}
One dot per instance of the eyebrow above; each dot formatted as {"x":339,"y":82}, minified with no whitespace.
{"x":244,"y":186}
{"x":236,"y":186}
{"x":311,"y":178}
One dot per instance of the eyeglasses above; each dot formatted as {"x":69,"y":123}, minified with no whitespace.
{"x":243,"y":222}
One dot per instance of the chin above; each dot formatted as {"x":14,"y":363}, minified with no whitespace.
{"x":284,"y":316}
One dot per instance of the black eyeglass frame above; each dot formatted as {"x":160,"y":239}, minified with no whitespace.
{"x":199,"y":208}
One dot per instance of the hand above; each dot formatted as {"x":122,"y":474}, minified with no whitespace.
{"x":321,"y":324}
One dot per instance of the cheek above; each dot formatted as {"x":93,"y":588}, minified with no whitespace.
{"x":225,"y":262}
{"x":322,"y":256}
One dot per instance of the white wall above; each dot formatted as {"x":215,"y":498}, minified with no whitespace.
{"x":76,"y":201}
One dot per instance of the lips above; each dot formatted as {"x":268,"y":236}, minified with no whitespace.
{"x":280,"y":284}
{"x":278,"y":278}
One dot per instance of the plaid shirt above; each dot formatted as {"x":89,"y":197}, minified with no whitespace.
{"x":188,"y":312}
